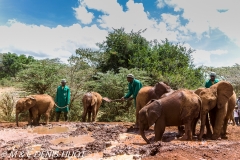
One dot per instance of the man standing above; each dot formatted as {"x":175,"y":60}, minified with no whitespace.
{"x":212,"y":80}
{"x":238,"y":103}
{"x":134,"y":86}
{"x":62,"y":100}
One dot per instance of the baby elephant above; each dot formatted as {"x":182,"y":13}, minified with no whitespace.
{"x":37,"y":105}
{"x":91,"y":103}
{"x":180,"y":108}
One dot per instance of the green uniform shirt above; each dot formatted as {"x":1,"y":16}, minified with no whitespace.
{"x":209,"y":83}
{"x":62,"y":98}
{"x":133,"y":88}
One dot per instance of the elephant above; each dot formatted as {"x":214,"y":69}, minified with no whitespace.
{"x":37,"y":105}
{"x":91,"y":103}
{"x":147,"y":93}
{"x":182,"y":107}
{"x":219,"y":101}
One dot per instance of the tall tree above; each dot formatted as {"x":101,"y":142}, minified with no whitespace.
{"x":11,"y":63}
{"x":119,"y":48}
{"x":40,"y":76}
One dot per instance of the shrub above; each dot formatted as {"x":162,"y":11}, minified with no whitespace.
{"x":7,"y":104}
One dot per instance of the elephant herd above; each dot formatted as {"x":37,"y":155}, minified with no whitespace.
{"x":166,"y":107}
{"x":38,"y":105}
{"x":158,"y":105}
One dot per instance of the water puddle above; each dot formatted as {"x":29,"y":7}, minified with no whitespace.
{"x":45,"y":130}
{"x":75,"y":141}
{"x":132,"y":139}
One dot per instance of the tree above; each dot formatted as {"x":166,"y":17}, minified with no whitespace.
{"x":40,"y":76}
{"x":230,"y":74}
{"x":11,"y":63}
{"x":119,"y":48}
{"x":171,"y":63}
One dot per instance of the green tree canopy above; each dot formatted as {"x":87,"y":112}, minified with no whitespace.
{"x":41,"y":75}
{"x":119,"y":48}
{"x":11,"y":63}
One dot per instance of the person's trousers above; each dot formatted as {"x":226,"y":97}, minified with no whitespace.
{"x":58,"y":116}
{"x":236,"y":120}
{"x":135,"y":102}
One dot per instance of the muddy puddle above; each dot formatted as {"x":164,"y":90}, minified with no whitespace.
{"x":111,"y":141}
{"x":75,"y":141}
{"x":46,"y":130}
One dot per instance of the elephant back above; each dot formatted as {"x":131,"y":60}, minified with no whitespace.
{"x":191,"y":105}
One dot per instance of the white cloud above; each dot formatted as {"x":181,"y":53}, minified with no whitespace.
{"x":48,"y":42}
{"x":83,"y":15}
{"x":63,"y":41}
{"x":205,"y":15}
{"x":160,"y":3}
{"x":203,"y":57}
{"x":134,"y":18}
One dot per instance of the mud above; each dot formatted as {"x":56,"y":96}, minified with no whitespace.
{"x":108,"y":141}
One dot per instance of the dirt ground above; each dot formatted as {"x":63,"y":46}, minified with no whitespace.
{"x":65,"y":140}
{"x":104,"y":140}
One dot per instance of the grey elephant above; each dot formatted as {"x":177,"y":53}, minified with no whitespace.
{"x":182,"y":107}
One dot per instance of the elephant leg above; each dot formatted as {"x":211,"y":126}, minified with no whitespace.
{"x":89,"y":115}
{"x":219,"y":122}
{"x":136,"y":114}
{"x":94,"y":114}
{"x":188,"y":131}
{"x":38,"y":118}
{"x":180,"y":131}
{"x":224,"y":129}
{"x":30,"y":117}
{"x":35,"y":119}
{"x":159,"y":129}
{"x":193,"y":126}
{"x":47,"y":115}
{"x":209,"y":130}
{"x":84,"y":115}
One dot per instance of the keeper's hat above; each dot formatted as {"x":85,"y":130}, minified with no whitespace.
{"x":130,"y":76}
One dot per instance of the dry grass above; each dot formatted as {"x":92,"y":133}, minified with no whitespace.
{"x":7,"y":104}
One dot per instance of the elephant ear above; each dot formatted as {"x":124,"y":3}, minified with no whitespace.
{"x":160,"y":88}
{"x":198,"y":91}
{"x":224,"y":91}
{"x":154,"y":112}
{"x":30,"y":102}
{"x":94,"y":99}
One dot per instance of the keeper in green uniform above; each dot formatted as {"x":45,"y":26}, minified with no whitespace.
{"x":212,"y":80}
{"x":62,"y":100}
{"x":134,"y":86}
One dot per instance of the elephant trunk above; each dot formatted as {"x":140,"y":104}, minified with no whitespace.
{"x":143,"y":135}
{"x":17,"y":118}
{"x":203,"y":123}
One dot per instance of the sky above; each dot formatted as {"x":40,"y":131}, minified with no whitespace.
{"x":56,"y":28}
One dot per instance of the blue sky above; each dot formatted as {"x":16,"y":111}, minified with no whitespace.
{"x":56,"y":28}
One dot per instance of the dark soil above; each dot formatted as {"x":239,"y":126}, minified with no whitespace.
{"x":108,"y":142}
